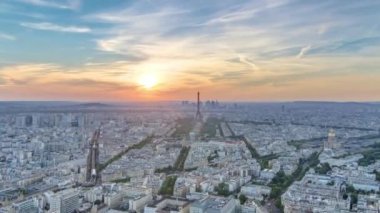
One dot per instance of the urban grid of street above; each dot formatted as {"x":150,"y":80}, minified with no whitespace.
{"x":189,"y":157}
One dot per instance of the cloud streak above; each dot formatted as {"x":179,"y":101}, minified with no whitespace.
{"x":227,"y":47}
{"x":54,"y":27}
{"x":303,"y":51}
{"x":7,"y":37}
{"x":64,"y":4}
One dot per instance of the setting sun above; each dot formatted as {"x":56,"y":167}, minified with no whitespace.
{"x":148,"y":81}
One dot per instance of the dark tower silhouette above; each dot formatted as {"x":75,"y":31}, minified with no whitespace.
{"x":198,"y":116}
{"x":92,"y":174}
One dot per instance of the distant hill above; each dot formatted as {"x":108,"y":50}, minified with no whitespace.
{"x":335,"y":102}
{"x":46,"y":106}
{"x":92,"y":105}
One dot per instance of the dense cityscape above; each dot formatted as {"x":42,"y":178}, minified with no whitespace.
{"x":189,"y":106}
{"x":189,"y":156}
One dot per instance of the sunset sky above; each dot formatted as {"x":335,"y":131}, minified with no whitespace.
{"x":148,"y":50}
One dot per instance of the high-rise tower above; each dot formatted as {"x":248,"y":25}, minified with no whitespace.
{"x":92,"y":173}
{"x":330,"y":143}
{"x":198,"y":116}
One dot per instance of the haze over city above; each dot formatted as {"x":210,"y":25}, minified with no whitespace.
{"x":165,"y":50}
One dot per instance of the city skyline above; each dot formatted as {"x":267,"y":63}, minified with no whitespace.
{"x":286,"y":50}
{"x":174,"y":106}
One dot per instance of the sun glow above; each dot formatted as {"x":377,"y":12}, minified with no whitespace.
{"x":148,"y":81}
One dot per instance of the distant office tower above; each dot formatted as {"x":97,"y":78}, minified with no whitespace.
{"x":35,"y":120}
{"x":20,"y":121}
{"x":28,"y":120}
{"x":66,"y":201}
{"x":198,"y":116}
{"x":330,"y":143}
{"x":92,"y":174}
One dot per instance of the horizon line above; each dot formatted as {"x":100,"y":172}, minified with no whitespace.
{"x":220,"y":101}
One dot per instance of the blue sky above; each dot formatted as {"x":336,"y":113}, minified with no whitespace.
{"x":232,"y":50}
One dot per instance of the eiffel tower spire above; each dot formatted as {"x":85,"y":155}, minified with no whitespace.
{"x":198,"y":116}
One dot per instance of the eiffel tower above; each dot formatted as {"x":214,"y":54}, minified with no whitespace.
{"x":198,"y":116}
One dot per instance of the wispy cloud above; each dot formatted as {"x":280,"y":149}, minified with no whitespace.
{"x":243,"y":12}
{"x":303,"y":51}
{"x":227,"y":47}
{"x":63,"y":4}
{"x":7,"y":37}
{"x":130,"y":15}
{"x":54,"y":27}
{"x":255,"y":36}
